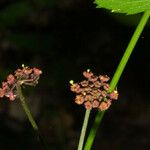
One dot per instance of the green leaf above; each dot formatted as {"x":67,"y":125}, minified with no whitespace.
{"x":124,"y":6}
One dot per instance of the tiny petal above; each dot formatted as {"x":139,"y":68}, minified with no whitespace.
{"x":2,"y":93}
{"x":104,"y":106}
{"x":84,"y":83}
{"x":10,"y":95}
{"x":104,"y":93}
{"x":18,"y":73}
{"x":87,"y":74}
{"x":88,"y":105}
{"x":10,"y":79}
{"x":79,"y":99}
{"x":100,"y":98}
{"x":37,"y":71}
{"x":75,"y":88}
{"x":91,"y":85}
{"x":27,"y":71}
{"x":108,"y":102}
{"x":114,"y":95}
{"x":87,"y":89}
{"x":93,"y":78}
{"x":88,"y":98}
{"x":106,"y":86}
{"x":95,"y":104}
{"x":97,"y":84}
{"x":96,"y":93}
{"x":5,"y":86}
{"x":104,"y":78}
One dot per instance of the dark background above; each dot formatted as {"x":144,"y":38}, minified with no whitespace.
{"x":64,"y":38}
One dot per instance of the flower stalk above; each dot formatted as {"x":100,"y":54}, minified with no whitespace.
{"x":84,"y":127}
{"x":93,"y":92}
{"x":25,"y":107}
{"x":12,"y":89}
{"x":117,"y":75}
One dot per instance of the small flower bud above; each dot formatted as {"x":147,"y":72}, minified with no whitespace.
{"x":104,"y":78}
{"x":2,"y":93}
{"x":103,"y":106}
{"x":79,"y":99}
{"x":11,"y":95}
{"x":88,"y":105}
{"x":106,"y":86}
{"x":84,"y":83}
{"x":114,"y":95}
{"x":37,"y":71}
{"x":10,"y":79}
{"x":97,"y":84}
{"x":75,"y":88}
{"x":87,"y":74}
{"x":5,"y":86}
{"x":95,"y":104}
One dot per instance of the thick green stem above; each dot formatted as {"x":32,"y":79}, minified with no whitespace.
{"x":129,"y":50}
{"x":94,"y":128}
{"x":83,"y":131}
{"x":117,"y":75}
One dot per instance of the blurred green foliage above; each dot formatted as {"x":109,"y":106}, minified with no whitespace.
{"x":13,"y":12}
{"x":18,"y":15}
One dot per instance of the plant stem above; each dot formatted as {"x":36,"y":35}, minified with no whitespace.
{"x":129,"y":50}
{"x":26,"y":108}
{"x":83,"y":131}
{"x":117,"y":75}
{"x":94,"y":128}
{"x":30,"y":117}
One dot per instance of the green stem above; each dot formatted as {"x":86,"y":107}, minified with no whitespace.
{"x":94,"y":128}
{"x":30,"y":117}
{"x":129,"y":50}
{"x":26,"y":108}
{"x":117,"y":75}
{"x":83,"y":131}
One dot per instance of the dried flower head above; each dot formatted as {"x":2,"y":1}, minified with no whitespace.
{"x":94,"y":91}
{"x":23,"y":76}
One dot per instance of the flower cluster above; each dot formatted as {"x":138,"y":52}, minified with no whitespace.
{"x":23,"y":76}
{"x":94,"y":91}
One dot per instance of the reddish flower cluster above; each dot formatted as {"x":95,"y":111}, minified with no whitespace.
{"x":24,"y":76}
{"x":94,"y":91}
